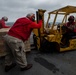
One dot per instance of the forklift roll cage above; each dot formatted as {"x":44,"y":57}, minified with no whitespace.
{"x":54,"y":36}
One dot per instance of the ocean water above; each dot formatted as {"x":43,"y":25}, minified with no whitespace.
{"x":9,"y":23}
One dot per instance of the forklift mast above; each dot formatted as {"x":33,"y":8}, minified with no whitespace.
{"x":38,"y":32}
{"x":40,"y":12}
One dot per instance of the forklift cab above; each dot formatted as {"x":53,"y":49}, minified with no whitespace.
{"x":56,"y":37}
{"x":51,"y":41}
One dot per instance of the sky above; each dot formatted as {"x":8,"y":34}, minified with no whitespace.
{"x":15,"y":9}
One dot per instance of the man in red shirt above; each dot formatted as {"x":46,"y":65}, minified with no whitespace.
{"x":70,"y":31}
{"x":15,"y":38}
{"x":2,"y":22}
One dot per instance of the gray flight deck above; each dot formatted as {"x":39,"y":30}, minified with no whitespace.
{"x":46,"y":64}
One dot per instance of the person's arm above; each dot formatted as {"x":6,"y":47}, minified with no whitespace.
{"x":4,"y":25}
{"x":36,"y":25}
{"x":75,"y":27}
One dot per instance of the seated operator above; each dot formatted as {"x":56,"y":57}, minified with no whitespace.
{"x":70,"y":31}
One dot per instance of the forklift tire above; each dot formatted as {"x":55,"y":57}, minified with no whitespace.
{"x":47,"y":46}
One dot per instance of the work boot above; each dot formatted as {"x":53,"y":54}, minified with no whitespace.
{"x":7,"y":68}
{"x":27,"y":67}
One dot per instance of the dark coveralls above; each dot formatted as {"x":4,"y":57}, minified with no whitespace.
{"x":70,"y":31}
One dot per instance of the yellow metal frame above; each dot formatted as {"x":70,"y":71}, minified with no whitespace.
{"x":55,"y":35}
{"x":39,"y":32}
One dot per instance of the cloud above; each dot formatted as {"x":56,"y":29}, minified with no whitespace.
{"x":14,"y":9}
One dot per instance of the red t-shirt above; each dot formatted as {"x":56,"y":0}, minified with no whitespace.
{"x":22,"y":28}
{"x":3,"y":25}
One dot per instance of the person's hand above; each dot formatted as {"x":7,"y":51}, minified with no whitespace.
{"x":71,"y":27}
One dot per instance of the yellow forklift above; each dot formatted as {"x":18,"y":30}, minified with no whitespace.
{"x":49,"y":38}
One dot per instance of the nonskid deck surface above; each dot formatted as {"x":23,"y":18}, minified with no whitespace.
{"x":46,"y":64}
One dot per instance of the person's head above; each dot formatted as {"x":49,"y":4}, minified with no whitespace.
{"x":5,"y":18}
{"x":31,"y":16}
{"x":71,"y":19}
